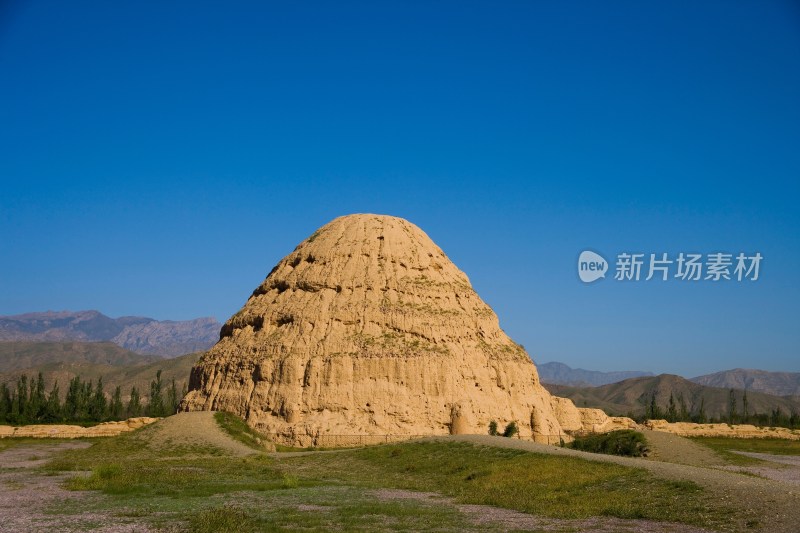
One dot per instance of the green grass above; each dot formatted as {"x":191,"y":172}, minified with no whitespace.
{"x":552,"y":486}
{"x":126,"y":465}
{"x":724,"y":446}
{"x":201,"y":489}
{"x":196,"y":487}
{"x":222,"y":520}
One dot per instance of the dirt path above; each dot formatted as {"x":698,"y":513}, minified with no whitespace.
{"x":192,"y":429}
{"x":776,"y":502}
{"x":786,"y":467}
{"x":26,"y":495}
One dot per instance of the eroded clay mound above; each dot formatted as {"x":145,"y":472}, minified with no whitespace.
{"x":367,"y":328}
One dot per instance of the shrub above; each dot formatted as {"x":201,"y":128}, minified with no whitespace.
{"x":622,"y":442}
{"x":493,"y":428}
{"x":511,"y":429}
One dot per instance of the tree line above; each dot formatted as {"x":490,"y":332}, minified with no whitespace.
{"x":84,"y":402}
{"x":676,"y":410}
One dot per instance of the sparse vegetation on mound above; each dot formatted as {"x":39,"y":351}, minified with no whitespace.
{"x":238,"y":430}
{"x":625,"y":442}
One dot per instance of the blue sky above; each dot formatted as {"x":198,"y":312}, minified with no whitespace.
{"x":159,"y":158}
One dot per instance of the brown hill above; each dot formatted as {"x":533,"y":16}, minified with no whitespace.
{"x":775,"y":383}
{"x":26,"y":355}
{"x":63,"y":361}
{"x":633,"y":395}
{"x":368,"y":328}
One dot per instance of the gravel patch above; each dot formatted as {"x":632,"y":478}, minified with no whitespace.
{"x":26,"y":495}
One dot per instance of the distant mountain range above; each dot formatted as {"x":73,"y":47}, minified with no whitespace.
{"x":773,"y":383}
{"x":633,"y":395}
{"x":777,"y":383}
{"x":142,"y":335}
{"x":561,"y":374}
{"x":62,"y":361}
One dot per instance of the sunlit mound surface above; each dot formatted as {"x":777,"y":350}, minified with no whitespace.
{"x":367,"y":328}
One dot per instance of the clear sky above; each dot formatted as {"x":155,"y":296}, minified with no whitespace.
{"x":158,"y":158}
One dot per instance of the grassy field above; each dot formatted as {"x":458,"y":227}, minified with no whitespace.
{"x":201,"y":489}
{"x":558,"y":487}
{"x":725,"y":446}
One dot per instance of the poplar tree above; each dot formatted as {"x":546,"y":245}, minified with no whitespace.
{"x":156,"y":405}
{"x":134,"y":404}
{"x":5,"y":403}
{"x":52,"y":408}
{"x":672,"y":411}
{"x":732,"y":406}
{"x":116,"y":410}
{"x":98,"y":403}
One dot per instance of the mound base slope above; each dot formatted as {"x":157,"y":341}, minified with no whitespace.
{"x":192,"y":429}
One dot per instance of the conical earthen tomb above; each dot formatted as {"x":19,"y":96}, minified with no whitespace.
{"x":367,"y":328}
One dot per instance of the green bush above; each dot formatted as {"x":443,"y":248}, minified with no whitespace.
{"x":511,"y":429}
{"x":623,"y":442}
{"x":493,"y":428}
